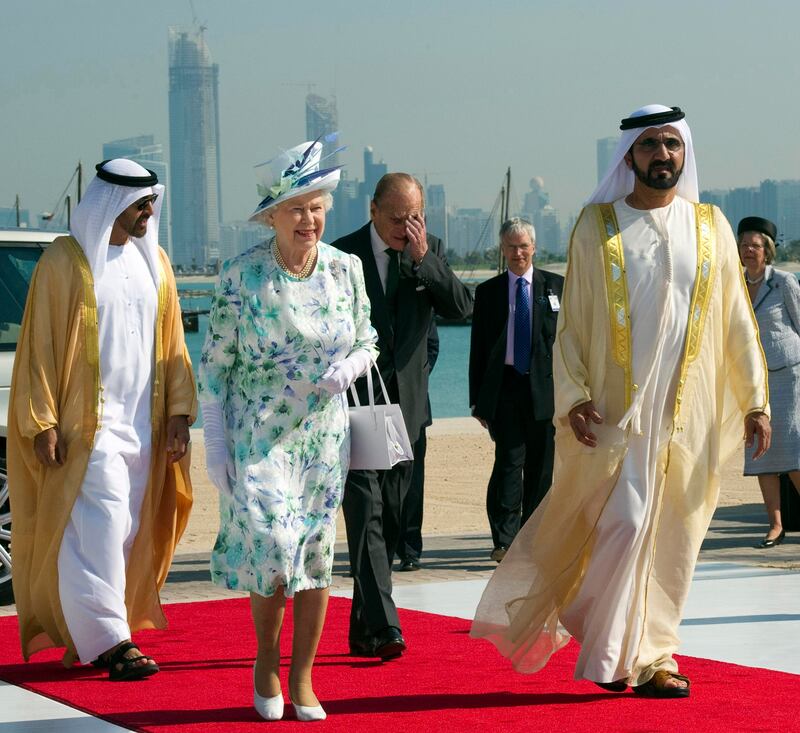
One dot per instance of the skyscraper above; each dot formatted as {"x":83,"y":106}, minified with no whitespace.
{"x":605,"y":151}
{"x":373,"y":171}
{"x":322,"y":119}
{"x":194,"y":148}
{"x":471,"y":230}
{"x":144,"y":150}
{"x":436,"y":211}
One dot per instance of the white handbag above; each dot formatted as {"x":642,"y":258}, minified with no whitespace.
{"x":378,"y":435}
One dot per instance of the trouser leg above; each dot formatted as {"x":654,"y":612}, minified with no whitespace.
{"x":538,"y":473}
{"x":372,"y":608}
{"x":606,"y":614}
{"x":394,"y":487}
{"x":94,"y":550}
{"x":504,"y":493}
{"x":410,"y":545}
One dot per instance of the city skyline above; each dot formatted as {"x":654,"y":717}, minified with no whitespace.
{"x":194,"y":143}
{"x":452,"y":97}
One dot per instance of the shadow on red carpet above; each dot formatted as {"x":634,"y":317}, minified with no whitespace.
{"x":445,"y":682}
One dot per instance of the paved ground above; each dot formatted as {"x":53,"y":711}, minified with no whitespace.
{"x":732,"y":538}
{"x":735,"y":531}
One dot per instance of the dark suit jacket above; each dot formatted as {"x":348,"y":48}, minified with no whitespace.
{"x":487,"y":351}
{"x":403,"y":344}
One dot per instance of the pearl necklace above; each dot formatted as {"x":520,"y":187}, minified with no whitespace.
{"x":752,"y":282}
{"x":308,"y":266}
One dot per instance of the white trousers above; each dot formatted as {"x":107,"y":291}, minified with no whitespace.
{"x":97,"y":541}
{"x":606,"y":614}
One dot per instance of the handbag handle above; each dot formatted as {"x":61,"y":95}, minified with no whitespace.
{"x":370,"y":390}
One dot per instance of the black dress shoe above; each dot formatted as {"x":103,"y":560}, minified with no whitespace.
{"x":389,"y":643}
{"x":362,"y":647}
{"x":774,"y":542}
{"x":498,"y":553}
{"x":409,"y":565}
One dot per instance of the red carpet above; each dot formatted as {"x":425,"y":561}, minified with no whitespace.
{"x":446,"y":682}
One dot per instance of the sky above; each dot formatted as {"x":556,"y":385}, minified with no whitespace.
{"x":454,"y":92}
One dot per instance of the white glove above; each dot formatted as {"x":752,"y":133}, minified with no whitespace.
{"x":219,"y":465}
{"x":341,"y":374}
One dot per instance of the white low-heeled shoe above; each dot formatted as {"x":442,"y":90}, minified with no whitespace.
{"x":269,"y":708}
{"x":308,"y":713}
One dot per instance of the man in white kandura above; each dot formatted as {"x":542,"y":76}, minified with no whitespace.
{"x":657,"y":368}
{"x":101,"y":398}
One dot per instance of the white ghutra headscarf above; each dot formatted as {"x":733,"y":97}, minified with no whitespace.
{"x":618,"y":180}
{"x":103,"y":202}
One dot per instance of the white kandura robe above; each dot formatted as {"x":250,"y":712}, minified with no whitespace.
{"x":105,"y":517}
{"x":606,"y":614}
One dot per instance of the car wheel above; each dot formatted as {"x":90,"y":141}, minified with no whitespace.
{"x":6,"y":591}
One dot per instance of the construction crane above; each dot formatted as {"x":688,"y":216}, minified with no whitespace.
{"x":197,"y":24}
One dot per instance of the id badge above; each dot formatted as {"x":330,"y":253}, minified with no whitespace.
{"x":555,"y":305}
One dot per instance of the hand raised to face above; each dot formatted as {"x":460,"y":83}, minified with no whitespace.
{"x":417,"y":237}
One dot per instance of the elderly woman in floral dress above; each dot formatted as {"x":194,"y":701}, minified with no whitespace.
{"x":289,"y":331}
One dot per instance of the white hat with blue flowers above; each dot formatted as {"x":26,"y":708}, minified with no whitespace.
{"x":294,"y":172}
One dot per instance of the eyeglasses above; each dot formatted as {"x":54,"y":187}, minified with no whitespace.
{"x":145,"y":202}
{"x":751,"y":245}
{"x":651,"y":144}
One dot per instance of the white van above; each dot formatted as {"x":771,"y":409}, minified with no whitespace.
{"x":20,"y":250}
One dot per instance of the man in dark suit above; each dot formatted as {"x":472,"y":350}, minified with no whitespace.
{"x":511,"y":380}
{"x":408,"y":281}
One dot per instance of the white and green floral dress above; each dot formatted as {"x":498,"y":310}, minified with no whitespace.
{"x":270,"y":337}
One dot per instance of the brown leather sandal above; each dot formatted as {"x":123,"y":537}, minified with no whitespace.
{"x":656,"y":686}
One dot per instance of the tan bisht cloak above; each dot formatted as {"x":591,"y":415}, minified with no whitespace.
{"x":56,"y":382}
{"x":723,"y":377}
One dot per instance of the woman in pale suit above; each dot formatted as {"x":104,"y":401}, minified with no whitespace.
{"x":776,"y":302}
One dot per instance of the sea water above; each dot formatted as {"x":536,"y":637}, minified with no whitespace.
{"x":448,"y":383}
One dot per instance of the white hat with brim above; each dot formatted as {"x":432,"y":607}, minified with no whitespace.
{"x":292,"y":173}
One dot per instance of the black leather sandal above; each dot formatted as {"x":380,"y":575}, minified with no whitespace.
{"x":102,"y":662}
{"x":126,"y":669}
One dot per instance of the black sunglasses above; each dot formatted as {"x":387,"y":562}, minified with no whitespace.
{"x":142,"y":205}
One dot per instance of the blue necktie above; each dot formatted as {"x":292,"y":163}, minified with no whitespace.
{"x":522,"y":328}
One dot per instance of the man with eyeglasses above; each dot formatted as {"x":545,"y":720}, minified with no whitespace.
{"x":102,"y":396}
{"x":658,"y":374}
{"x":511,"y":380}
{"x":408,"y":282}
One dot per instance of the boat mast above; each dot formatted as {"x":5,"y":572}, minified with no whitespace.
{"x":505,"y":198}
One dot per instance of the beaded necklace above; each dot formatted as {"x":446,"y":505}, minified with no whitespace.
{"x":308,"y":266}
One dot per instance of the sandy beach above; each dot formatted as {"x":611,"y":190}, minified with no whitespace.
{"x":458,"y":465}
